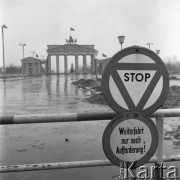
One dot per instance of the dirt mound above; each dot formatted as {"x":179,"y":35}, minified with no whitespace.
{"x":172,"y":100}
{"x":93,"y":85}
{"x":87,"y":83}
{"x":174,"y":136}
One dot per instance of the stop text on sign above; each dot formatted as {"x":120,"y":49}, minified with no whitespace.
{"x":139,"y":77}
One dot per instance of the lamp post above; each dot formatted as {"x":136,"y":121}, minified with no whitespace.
{"x":157,"y":51}
{"x":121,"y":40}
{"x":23,"y":48}
{"x":4,"y":70}
{"x":149,"y":44}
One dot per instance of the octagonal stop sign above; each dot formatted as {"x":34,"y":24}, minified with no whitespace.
{"x":135,"y":79}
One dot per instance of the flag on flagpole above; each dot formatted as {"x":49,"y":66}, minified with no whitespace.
{"x":72,"y":29}
{"x":103,"y":55}
{"x":37,"y":55}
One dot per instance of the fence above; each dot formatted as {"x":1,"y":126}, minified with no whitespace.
{"x":72,"y":117}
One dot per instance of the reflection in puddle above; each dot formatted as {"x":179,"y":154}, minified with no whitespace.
{"x":45,"y":94}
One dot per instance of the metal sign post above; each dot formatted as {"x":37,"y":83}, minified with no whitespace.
{"x":159,"y":151}
{"x":135,"y":83}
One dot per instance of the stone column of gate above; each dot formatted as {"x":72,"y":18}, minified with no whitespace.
{"x":49,"y":64}
{"x":76,"y":64}
{"x":27,"y":70}
{"x":93,"y":64}
{"x":23,"y":68}
{"x":65,"y":64}
{"x":33,"y":69}
{"x":57,"y":64}
{"x":84,"y":64}
{"x":46,"y":66}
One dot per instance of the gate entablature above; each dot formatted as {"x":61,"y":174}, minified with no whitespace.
{"x":71,"y":49}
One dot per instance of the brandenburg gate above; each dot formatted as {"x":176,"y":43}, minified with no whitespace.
{"x":71,"y":48}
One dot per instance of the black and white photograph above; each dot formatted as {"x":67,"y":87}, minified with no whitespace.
{"x":89,"y":89}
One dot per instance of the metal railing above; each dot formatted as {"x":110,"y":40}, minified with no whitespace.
{"x":72,"y":117}
{"x":73,"y":164}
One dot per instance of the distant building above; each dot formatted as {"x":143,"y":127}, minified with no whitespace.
{"x":101,"y":64}
{"x":71,"y":48}
{"x":31,"y":66}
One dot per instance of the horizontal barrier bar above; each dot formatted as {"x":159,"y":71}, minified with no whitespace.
{"x":70,"y":117}
{"x":74,"y":164}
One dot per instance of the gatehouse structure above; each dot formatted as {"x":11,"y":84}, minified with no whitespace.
{"x":31,"y":66}
{"x":71,"y":48}
{"x":101,"y":64}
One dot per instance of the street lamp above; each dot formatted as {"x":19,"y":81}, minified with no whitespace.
{"x":121,"y":40}
{"x":4,"y":70}
{"x":149,"y":44}
{"x":32,"y":53}
{"x":157,"y":51}
{"x":23,"y":48}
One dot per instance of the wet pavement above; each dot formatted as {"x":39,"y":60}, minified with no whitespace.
{"x":42,"y":95}
{"x":38,"y":143}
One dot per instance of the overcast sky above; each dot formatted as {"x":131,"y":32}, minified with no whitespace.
{"x":40,"y":22}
